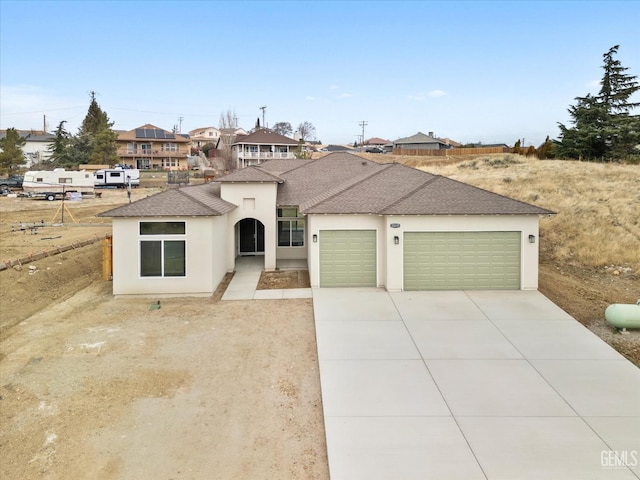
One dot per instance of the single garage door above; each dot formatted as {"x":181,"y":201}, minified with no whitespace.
{"x":348,"y":258}
{"x":461,"y":260}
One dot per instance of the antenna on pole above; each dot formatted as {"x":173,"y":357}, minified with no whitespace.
{"x":180,"y":121}
{"x":263,"y":108}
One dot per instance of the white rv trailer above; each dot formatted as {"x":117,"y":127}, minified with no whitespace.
{"x":50,"y":183}
{"x":117,"y":177}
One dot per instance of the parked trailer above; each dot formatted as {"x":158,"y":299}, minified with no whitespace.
{"x":116,"y":177}
{"x":52,"y":184}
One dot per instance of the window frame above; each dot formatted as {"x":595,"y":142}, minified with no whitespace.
{"x":164,"y":242}
{"x":295,"y":231}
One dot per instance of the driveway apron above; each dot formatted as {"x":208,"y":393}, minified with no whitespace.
{"x":471,"y":384}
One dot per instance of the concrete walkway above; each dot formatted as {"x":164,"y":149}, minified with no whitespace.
{"x":471,"y":385}
{"x":247,"y":275}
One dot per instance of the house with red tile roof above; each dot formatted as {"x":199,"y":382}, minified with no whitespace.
{"x":352,"y":221}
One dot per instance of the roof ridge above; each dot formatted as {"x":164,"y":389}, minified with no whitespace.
{"x":323,"y":197}
{"x":428,"y":181}
{"x":280,"y":179}
{"x":199,"y":202}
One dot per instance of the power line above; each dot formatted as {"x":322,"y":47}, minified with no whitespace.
{"x":363,"y":124}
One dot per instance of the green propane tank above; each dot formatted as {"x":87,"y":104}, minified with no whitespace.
{"x":623,"y":315}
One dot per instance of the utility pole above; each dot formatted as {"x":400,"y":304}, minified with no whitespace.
{"x":180,"y":127}
{"x":264,"y":125}
{"x":363,"y":124}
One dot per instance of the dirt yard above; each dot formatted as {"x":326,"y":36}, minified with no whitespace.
{"x":191,"y":388}
{"x":97,"y":387}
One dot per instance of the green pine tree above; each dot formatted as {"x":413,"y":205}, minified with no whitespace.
{"x":104,"y":150}
{"x":60,"y":147}
{"x":11,"y":157}
{"x":602,"y":127}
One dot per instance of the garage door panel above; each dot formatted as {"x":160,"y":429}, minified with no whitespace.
{"x":461,"y":260}
{"x":348,"y":258}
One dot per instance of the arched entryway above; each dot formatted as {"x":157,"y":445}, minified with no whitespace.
{"x":250,"y":234}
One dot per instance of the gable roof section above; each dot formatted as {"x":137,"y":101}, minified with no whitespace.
{"x":278,"y":166}
{"x":265,"y":136}
{"x":395,"y":189}
{"x":131,"y":135}
{"x":316,"y":177}
{"x":444,"y":196}
{"x":194,"y":201}
{"x":251,"y":174}
{"x":418,"y":138}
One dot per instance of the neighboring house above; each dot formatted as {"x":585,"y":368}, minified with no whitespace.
{"x":450,"y":142}
{"x":37,"y":147}
{"x":378,"y":142}
{"x":337,"y":148}
{"x":150,"y":147}
{"x":261,"y":145}
{"x":487,"y":145}
{"x":420,"y":141}
{"x":353,"y":222}
{"x":203,"y":136}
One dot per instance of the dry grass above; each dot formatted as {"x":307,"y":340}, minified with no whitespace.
{"x":597,"y":205}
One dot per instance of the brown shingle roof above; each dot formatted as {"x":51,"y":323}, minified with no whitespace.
{"x":253,"y":174}
{"x":399,"y":190}
{"x":195,"y":201}
{"x":265,"y":136}
{"x":316,"y":177}
{"x":340,"y":183}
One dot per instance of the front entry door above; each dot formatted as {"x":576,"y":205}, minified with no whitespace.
{"x":251,"y":233}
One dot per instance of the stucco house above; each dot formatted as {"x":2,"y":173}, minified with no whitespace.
{"x":352,"y":221}
{"x":203,"y":136}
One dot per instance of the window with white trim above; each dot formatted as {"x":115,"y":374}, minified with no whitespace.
{"x":290,"y":227}
{"x":165,"y":255}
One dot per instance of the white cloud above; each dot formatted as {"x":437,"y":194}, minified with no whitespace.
{"x":333,"y":87}
{"x":346,"y":95}
{"x":309,"y":98}
{"x":419,"y":97}
{"x":437,"y":93}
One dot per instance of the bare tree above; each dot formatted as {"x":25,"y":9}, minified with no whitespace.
{"x":227,"y":125}
{"x":283,"y":128}
{"x":307,"y":131}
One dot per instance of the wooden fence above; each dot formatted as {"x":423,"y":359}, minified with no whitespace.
{"x":6,"y":264}
{"x":450,"y":152}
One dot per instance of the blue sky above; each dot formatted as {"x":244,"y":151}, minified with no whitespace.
{"x":470,"y":71}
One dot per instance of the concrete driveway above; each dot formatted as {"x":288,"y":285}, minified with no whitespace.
{"x":471,"y":385}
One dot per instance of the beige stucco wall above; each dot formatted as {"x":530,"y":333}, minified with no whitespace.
{"x":254,"y":200}
{"x":205,"y":262}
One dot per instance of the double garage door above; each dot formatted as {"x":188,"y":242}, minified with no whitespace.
{"x":461,"y":260}
{"x":431,"y":260}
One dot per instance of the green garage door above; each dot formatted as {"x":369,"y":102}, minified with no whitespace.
{"x":348,"y":258}
{"x":461,"y":260}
